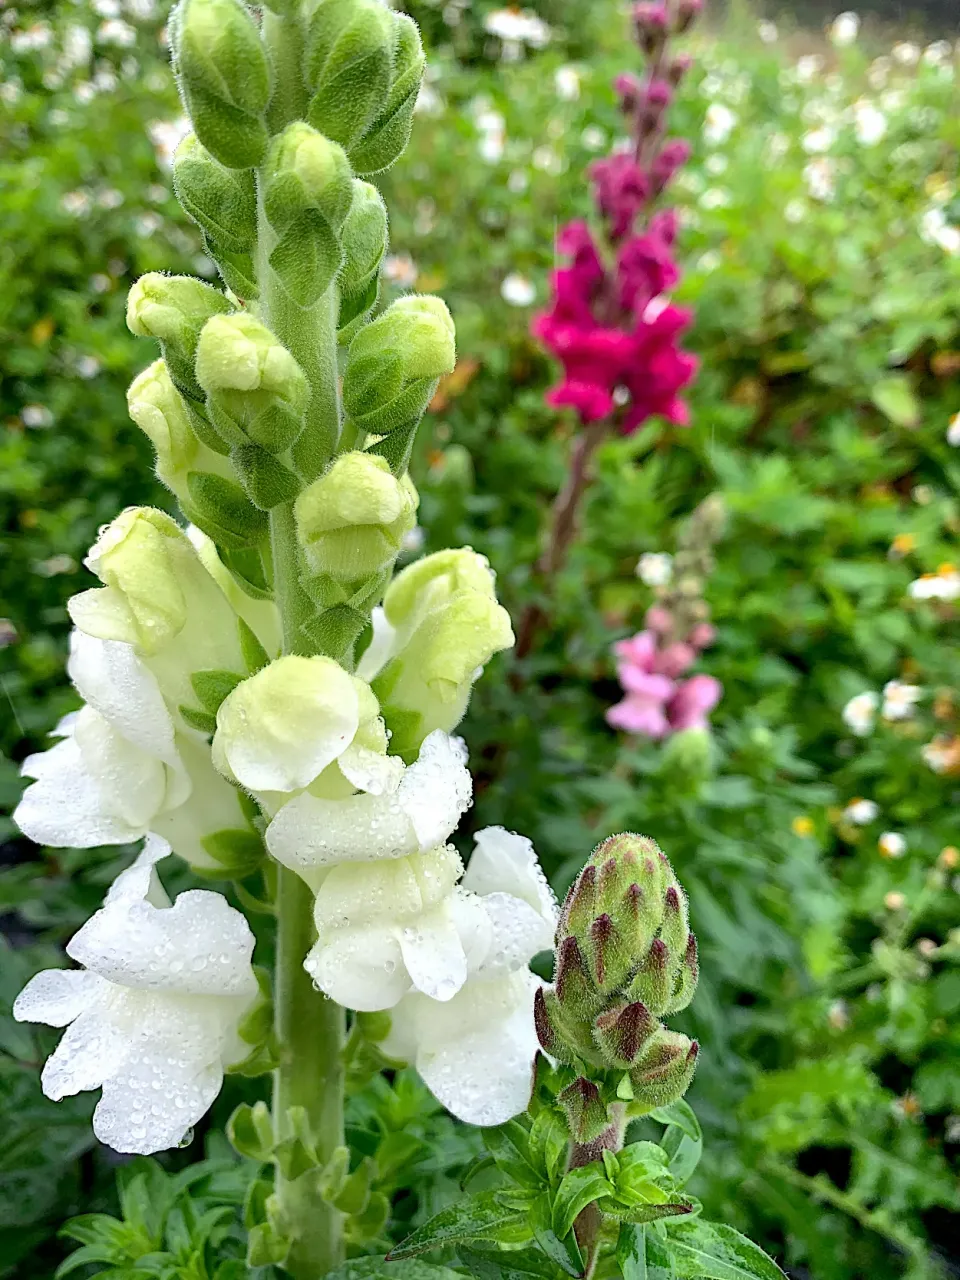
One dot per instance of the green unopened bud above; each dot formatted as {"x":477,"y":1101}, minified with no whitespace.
{"x":364,"y":241}
{"x":157,"y":409}
{"x":224,"y":78}
{"x":308,"y":189}
{"x":158,"y":597}
{"x":625,"y":957}
{"x":585,"y":1111}
{"x":447,"y":625}
{"x":173,"y":309}
{"x":388,"y":135}
{"x":221,"y":201}
{"x":256,"y":391}
{"x":392,"y":371}
{"x":349,"y":65}
{"x":351,"y":521}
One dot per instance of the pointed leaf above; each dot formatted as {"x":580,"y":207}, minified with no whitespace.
{"x":713,"y":1251}
{"x":479,"y":1217}
{"x":579,"y":1188}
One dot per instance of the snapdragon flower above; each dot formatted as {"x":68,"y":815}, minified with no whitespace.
{"x":475,"y":1051}
{"x":153,"y":1016}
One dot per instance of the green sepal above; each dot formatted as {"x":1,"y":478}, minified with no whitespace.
{"x":397,"y":447}
{"x":223,"y":511}
{"x":202,"y":721}
{"x":354,"y":1194}
{"x":254,"y":654}
{"x":334,"y":631}
{"x":266,"y":480}
{"x":247,"y":566}
{"x":369,"y":1224}
{"x":237,"y":852}
{"x":221,"y":201}
{"x":386,"y":138}
{"x":237,"y":270}
{"x":349,"y":63}
{"x":307,"y":257}
{"x":211,"y":687}
{"x":203,"y":428}
{"x":266,"y":1247}
{"x":355,"y":308}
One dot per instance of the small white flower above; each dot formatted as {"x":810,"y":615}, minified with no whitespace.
{"x":518,"y":182}
{"x":899,"y":699}
{"x":808,"y":67}
{"x":84,"y":92}
{"x":940,"y":754}
{"x":395,"y":811}
{"x":547,"y":160}
{"x":39,"y":36}
{"x":718,"y":124}
{"x":413,"y":540}
{"x":152,"y":1017}
{"x":166,"y":136}
{"x":106,"y":8}
{"x":820,"y":177}
{"x":87,"y":367}
{"x":429,"y":101}
{"x":878,"y":73}
{"x":906,"y":53}
{"x":77,"y":46}
{"x":715,"y":198}
{"x":566,"y":82}
{"x":400,"y":269}
{"x":818,"y":140}
{"x":860,"y":712}
{"x":892,"y":845}
{"x":767,"y":32}
{"x":593,"y":138}
{"x":475,"y":1051}
{"x":795,"y":211}
{"x":844,"y":29}
{"x":937,"y":54}
{"x":953,"y":431}
{"x":36,"y":415}
{"x":942,"y":585}
{"x":861,"y":812}
{"x":869,"y":123}
{"x":118,"y":33}
{"x":54,"y":566}
{"x":76,"y":203}
{"x":141,"y":10}
{"x":517,"y":290}
{"x":514,"y":26}
{"x":716,"y":164}
{"x":655,"y":568}
{"x":709,"y":261}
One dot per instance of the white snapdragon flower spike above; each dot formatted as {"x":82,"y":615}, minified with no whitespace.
{"x":387,"y":928}
{"x":119,"y":769}
{"x":152,"y":1018}
{"x":396,"y":811}
{"x":900,"y":699}
{"x":475,"y":1052}
{"x":860,"y":713}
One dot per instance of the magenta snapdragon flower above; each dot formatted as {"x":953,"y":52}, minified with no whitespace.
{"x":611,"y":323}
{"x":657,"y":702}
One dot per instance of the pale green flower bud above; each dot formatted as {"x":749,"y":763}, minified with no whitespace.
{"x":364,"y":240}
{"x":158,"y":597}
{"x":157,"y":409}
{"x":224,"y":78}
{"x":281,"y":728}
{"x":352,"y":520}
{"x":448,"y":625}
{"x":256,"y":398}
{"x":385,"y":140}
{"x":173,"y":309}
{"x":392,"y":371}
{"x":221,"y":201}
{"x":308,"y":189}
{"x":349,"y":65}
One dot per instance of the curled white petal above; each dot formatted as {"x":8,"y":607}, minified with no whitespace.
{"x":504,"y":862}
{"x":309,"y":834}
{"x":381,"y":648}
{"x":57,"y":996}
{"x":475,"y":1052}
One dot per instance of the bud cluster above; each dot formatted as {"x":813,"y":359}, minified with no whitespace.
{"x":625,"y":959}
{"x":610,"y":324}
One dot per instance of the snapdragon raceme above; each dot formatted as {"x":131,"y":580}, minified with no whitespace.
{"x":611,"y":323}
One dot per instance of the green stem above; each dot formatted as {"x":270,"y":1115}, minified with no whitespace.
{"x":310,"y":1028}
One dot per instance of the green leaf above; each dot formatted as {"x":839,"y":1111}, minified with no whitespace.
{"x":712,"y":1251}
{"x":683,"y":1139}
{"x":368,"y":1268}
{"x":579,"y":1188}
{"x":564,"y":1252}
{"x":201,"y":720}
{"x":250,"y":1130}
{"x":479,"y":1217}
{"x":895,"y":398}
{"x":509,"y":1144}
{"x":238,"y":853}
{"x":254,"y":654}
{"x":641,"y":1256}
{"x":509,"y":1264}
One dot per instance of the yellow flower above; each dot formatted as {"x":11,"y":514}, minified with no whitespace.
{"x":903,"y":544}
{"x":894,"y":901}
{"x":949,"y":858}
{"x":802,"y":826}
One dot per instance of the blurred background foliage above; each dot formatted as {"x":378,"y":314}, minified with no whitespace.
{"x":821,"y":240}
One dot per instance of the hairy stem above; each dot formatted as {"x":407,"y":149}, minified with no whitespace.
{"x":564,"y":519}
{"x":310,"y":1028}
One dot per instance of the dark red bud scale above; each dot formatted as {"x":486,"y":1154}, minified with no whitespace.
{"x":601,"y":934}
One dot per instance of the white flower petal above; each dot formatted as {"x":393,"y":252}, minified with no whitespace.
{"x":154,"y":1100}
{"x":88,"y":1050}
{"x":57,"y":996}
{"x":199,"y":946}
{"x":371,"y":771}
{"x":437,"y":789}
{"x":361,"y":969}
{"x":381,"y":647}
{"x":132,"y":783}
{"x":475,"y":1053}
{"x":140,"y":879}
{"x":504,"y":862}
{"x":63,"y":807}
{"x":434,"y":955}
{"x":111,"y":678}
{"x":519,"y":932}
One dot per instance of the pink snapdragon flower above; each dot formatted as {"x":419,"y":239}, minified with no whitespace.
{"x":611,"y":324}
{"x":657,"y":702}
